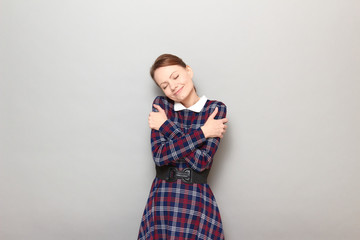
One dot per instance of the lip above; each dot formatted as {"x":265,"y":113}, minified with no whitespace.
{"x":178,"y":91}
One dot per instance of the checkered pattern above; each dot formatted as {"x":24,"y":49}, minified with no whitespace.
{"x":177,"y":210}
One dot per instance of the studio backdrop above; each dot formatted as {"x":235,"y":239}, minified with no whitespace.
{"x":75,"y":95}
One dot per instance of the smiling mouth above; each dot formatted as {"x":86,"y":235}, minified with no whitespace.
{"x":178,"y":91}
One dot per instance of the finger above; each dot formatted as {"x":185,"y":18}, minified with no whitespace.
{"x":224,"y":120}
{"x":213,"y":114}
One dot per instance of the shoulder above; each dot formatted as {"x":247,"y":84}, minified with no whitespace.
{"x":163,"y":102}
{"x":216,"y":103}
{"x":222,"y":109}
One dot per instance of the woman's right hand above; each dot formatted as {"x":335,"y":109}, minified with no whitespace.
{"x":214,"y":127}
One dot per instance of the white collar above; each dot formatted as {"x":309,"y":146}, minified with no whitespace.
{"x":197,"y":107}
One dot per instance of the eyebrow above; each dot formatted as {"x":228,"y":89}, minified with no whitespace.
{"x":169,"y":77}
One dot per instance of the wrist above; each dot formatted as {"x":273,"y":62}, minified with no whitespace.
{"x":204,"y":131}
{"x":163,"y":125}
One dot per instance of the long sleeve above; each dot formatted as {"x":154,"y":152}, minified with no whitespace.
{"x":169,"y":144}
{"x":201,"y":158}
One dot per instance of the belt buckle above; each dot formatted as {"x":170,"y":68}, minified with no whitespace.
{"x":185,"y":175}
{"x":188,"y":177}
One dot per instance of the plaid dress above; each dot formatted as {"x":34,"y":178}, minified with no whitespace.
{"x":178,"y":210}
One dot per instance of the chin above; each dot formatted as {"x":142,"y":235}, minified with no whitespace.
{"x":173,"y":98}
{"x":180,"y":98}
{"x":176,"y":99}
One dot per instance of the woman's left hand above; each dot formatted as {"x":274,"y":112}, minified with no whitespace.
{"x":156,"y":119}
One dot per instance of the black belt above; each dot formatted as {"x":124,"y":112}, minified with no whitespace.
{"x":187,"y":175}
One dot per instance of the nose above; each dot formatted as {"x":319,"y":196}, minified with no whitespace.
{"x":172,"y":85}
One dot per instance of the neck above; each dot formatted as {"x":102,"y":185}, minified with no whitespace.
{"x":191,"y":99}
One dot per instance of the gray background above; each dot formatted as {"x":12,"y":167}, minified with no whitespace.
{"x":75,"y":94}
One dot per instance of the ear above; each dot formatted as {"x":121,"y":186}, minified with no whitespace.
{"x":189,"y":71}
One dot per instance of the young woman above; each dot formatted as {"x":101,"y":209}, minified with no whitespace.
{"x":185,"y":133}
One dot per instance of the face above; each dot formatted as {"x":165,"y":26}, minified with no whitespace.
{"x":175,"y":81}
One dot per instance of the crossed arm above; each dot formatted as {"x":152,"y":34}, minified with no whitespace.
{"x":170,"y":143}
